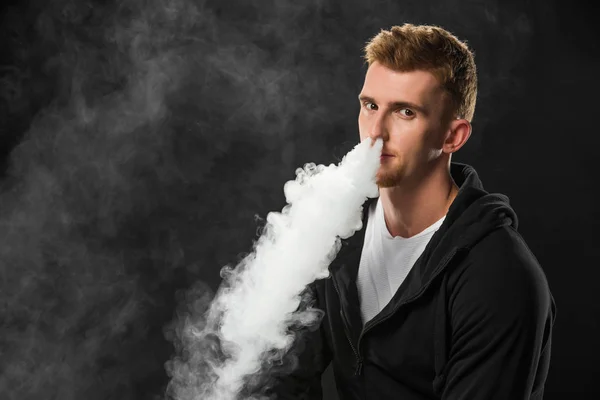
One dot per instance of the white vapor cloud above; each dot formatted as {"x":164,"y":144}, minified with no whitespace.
{"x":259,"y":298}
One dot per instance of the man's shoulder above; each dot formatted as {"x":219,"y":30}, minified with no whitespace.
{"x":504,"y":249}
{"x":501,"y":267}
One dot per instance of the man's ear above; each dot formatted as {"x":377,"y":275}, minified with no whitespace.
{"x":457,"y":135}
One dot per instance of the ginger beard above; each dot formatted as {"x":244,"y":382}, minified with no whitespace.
{"x":393,"y":170}
{"x":390,"y":172}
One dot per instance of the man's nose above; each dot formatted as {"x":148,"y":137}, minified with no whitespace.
{"x":379,"y":129}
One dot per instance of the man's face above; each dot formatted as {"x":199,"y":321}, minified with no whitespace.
{"x":406,"y":110}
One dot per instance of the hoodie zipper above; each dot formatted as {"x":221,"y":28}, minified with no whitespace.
{"x":376,"y":321}
{"x":358,"y":369}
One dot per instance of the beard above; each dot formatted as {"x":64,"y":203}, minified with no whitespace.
{"x":394,"y":172}
{"x":389,"y":175}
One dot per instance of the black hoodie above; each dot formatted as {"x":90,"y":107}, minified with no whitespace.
{"x":472,"y":320}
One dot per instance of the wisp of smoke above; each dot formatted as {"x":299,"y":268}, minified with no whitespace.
{"x":259,"y":299}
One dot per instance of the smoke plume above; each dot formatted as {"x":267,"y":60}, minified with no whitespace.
{"x":249,"y":318}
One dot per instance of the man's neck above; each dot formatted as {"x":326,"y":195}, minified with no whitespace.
{"x":409,"y":211}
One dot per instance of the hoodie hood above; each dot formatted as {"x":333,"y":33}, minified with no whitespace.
{"x":473,"y":214}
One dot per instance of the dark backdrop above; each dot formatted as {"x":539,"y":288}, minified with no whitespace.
{"x":144,"y":141}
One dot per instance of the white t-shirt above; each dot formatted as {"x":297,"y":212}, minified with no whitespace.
{"x":386,"y":261}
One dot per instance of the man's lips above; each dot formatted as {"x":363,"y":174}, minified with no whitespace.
{"x":384,"y":157}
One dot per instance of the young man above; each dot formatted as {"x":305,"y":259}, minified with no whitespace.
{"x":438,"y":296}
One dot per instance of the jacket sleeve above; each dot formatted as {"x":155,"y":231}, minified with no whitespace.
{"x":309,"y":357}
{"x":502,"y":314}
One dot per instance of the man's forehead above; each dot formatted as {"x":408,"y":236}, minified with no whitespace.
{"x":386,"y":85}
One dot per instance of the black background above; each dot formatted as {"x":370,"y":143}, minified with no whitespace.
{"x":144,"y":142}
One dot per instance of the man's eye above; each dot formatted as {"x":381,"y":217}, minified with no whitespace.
{"x":407,"y":112}
{"x":368,"y":106}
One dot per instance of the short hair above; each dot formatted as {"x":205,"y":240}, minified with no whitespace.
{"x":430,"y":48}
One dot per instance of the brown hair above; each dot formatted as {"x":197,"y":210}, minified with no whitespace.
{"x":410,"y":47}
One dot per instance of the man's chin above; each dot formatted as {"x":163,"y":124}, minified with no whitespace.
{"x":387,"y":182}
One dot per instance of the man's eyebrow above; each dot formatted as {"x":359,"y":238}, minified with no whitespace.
{"x":396,"y":104}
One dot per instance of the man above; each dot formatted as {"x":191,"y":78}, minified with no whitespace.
{"x":437,"y":296}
